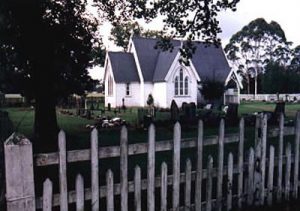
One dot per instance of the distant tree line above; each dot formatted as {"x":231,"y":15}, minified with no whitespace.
{"x":264,"y":58}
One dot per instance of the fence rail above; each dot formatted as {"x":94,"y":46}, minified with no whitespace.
{"x":255,"y":182}
{"x":270,"y":97}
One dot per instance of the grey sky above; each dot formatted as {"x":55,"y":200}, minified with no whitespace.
{"x":286,"y":13}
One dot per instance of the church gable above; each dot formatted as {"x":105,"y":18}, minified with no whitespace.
{"x":123,"y":67}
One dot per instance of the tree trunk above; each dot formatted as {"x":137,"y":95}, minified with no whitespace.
{"x":255,"y":87}
{"x":248,"y":84}
{"x":45,"y":122}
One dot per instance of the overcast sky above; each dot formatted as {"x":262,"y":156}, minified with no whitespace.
{"x":284,"y":12}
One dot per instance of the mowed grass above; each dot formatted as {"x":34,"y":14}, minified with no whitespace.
{"x":251,"y":107}
{"x":78,"y":135}
{"x":75,"y":127}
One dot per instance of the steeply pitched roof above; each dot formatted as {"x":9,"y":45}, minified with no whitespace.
{"x":210,"y":62}
{"x":123,"y":67}
{"x":164,"y":62}
{"x":148,"y":55}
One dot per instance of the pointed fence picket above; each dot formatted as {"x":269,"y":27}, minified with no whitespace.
{"x":254,"y":172}
{"x":47,"y":195}
{"x":95,"y":170}
{"x":137,"y":189}
{"x":79,"y":193}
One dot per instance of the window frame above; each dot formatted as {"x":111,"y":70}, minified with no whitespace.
{"x":127,"y":89}
{"x":181,"y":83}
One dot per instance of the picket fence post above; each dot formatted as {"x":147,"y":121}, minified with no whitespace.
{"x":47,"y":195}
{"x":151,"y":169}
{"x":63,"y":189}
{"x":18,"y":155}
{"x":209,"y":183}
{"x":137,"y":188}
{"x":94,"y":170}
{"x":124,"y":168}
{"x":164,"y":187}
{"x":220,"y":165}
{"x":241,"y":162}
{"x":198,"y":197}
{"x":263,"y":158}
{"x":176,"y":166}
{"x":296,"y":160}
{"x":280,"y":153}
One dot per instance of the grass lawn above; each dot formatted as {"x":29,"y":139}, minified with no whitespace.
{"x":78,"y":135}
{"x":251,"y":107}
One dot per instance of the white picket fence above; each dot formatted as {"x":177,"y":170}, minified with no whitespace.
{"x":269,"y":97}
{"x":256,"y":184}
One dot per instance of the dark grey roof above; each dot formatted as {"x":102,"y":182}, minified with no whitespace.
{"x":164,"y":62}
{"x":123,"y":67}
{"x":148,"y":55}
{"x":210,"y":62}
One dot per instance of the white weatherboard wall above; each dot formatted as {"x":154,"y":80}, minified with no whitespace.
{"x":160,"y":94}
{"x":109,"y":98}
{"x":133,"y":99}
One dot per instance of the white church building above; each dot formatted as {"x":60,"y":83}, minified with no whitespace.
{"x":131,"y":76}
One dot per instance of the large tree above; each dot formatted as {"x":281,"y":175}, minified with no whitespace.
{"x":295,"y":62}
{"x":280,"y":79}
{"x":47,"y":47}
{"x":254,"y":46}
{"x":50,"y":44}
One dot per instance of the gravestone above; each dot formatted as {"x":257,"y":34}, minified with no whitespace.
{"x":174,"y":111}
{"x":183,"y":106}
{"x":232,"y":113}
{"x":193,"y":109}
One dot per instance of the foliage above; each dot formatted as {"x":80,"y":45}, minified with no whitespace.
{"x":295,"y":62}
{"x":279,"y":79}
{"x":121,"y":32}
{"x":212,"y":89}
{"x":53,"y":39}
{"x":195,"y":19}
{"x":255,"y":45}
{"x":46,"y":48}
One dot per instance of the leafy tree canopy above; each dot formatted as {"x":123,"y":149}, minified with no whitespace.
{"x":279,"y":79}
{"x":295,"y":62}
{"x":49,"y":45}
{"x":193,"y":19}
{"x":121,"y":33}
{"x":212,"y":90}
{"x":46,"y":48}
{"x":255,"y":45}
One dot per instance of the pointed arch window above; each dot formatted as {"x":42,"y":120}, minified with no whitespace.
{"x":176,"y":85}
{"x":186,"y":85}
{"x":181,"y":82}
{"x":110,"y":86}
